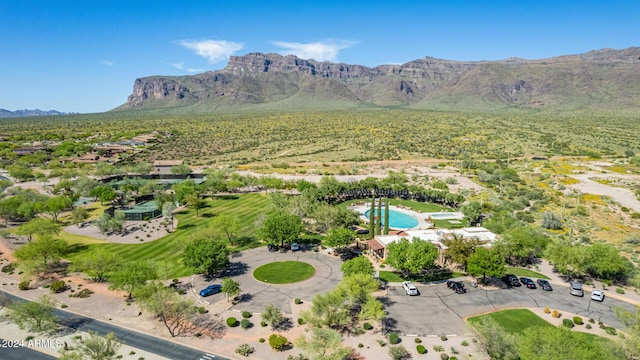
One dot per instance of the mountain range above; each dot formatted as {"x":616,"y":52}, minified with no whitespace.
{"x":604,"y":79}
{"x":25,"y":113}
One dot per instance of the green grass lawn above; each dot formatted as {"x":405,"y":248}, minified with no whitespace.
{"x":513,"y":321}
{"x":525,"y":272}
{"x":284,"y":272}
{"x":167,"y":251}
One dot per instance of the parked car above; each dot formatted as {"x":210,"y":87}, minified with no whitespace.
{"x":597,"y":295}
{"x":210,"y":290}
{"x":348,"y":254}
{"x":272,"y":247}
{"x":528,"y":283}
{"x":511,"y":280}
{"x":409,"y":288}
{"x":295,"y":247}
{"x":576,"y":289}
{"x":456,"y":286}
{"x":544,"y":285}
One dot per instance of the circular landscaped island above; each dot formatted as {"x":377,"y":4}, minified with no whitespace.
{"x":284,"y":272}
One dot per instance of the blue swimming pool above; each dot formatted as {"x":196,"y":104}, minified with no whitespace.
{"x":398,"y":220}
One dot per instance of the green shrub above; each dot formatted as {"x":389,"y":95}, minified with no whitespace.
{"x":592,"y":321}
{"x":231,"y":321}
{"x":438,"y":348}
{"x":245,"y":349}
{"x":464,"y":343}
{"x":297,"y":301}
{"x":443,"y":337}
{"x":394,"y":338}
{"x":611,"y":330}
{"x":64,"y":306}
{"x":263,"y":323}
{"x":301,"y":321}
{"x":9,"y":267}
{"x":246,"y":314}
{"x":83,"y":294}
{"x":577,"y":320}
{"x":58,"y":286}
{"x":620,"y":290}
{"x":24,"y":285}
{"x":444,"y":356}
{"x":245,"y":323}
{"x":417,"y":340}
{"x":261,"y":340}
{"x":367,"y":326}
{"x":588,"y":326}
{"x":421,"y":349}
{"x":202,"y":310}
{"x":567,"y":323}
{"x":278,"y":342}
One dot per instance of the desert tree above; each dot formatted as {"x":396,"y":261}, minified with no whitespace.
{"x":36,"y":316}
{"x":227,"y":225}
{"x":174,"y":312}
{"x":205,"y":256}
{"x":485,"y":262}
{"x":339,"y":237}
{"x":281,"y":228}
{"x":39,"y":226}
{"x":273,"y":316}
{"x":132,"y":274}
{"x":357,"y":265}
{"x":323,"y":344}
{"x":93,"y":347}
{"x":99,"y":262}
{"x":40,"y":255}
{"x":230,"y":287}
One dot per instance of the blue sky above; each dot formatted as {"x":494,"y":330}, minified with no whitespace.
{"x":83,"y":56}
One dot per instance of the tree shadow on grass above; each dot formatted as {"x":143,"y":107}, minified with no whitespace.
{"x":73,"y":248}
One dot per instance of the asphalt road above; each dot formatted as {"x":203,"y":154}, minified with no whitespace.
{"x":132,"y":338}
{"x":438,"y":310}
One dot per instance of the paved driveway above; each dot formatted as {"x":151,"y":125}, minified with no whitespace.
{"x":438,"y":310}
{"x":257,"y":294}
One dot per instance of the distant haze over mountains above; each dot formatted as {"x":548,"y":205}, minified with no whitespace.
{"x":25,"y":113}
{"x":604,"y":79}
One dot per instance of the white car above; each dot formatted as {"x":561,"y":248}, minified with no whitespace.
{"x":295,"y":247}
{"x":597,"y":295}
{"x":410,"y":288}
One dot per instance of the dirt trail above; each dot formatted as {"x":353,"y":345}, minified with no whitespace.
{"x":623,"y":196}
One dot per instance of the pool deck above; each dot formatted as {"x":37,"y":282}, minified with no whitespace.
{"x":422,"y":224}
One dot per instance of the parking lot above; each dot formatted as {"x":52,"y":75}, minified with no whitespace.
{"x":439,"y":310}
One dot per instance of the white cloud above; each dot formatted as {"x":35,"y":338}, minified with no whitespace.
{"x":320,"y":51}
{"x":192,"y":70}
{"x":178,"y":66}
{"x":213,"y":50}
{"x":106,"y":62}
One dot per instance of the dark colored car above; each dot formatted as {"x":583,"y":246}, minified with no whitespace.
{"x":528,"y":283}
{"x":272,"y":247}
{"x":210,"y":290}
{"x":511,"y":280}
{"x":456,"y":286}
{"x":348,"y":254}
{"x":544,"y":285}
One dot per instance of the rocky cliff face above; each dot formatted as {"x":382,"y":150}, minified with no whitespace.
{"x":257,"y":78}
